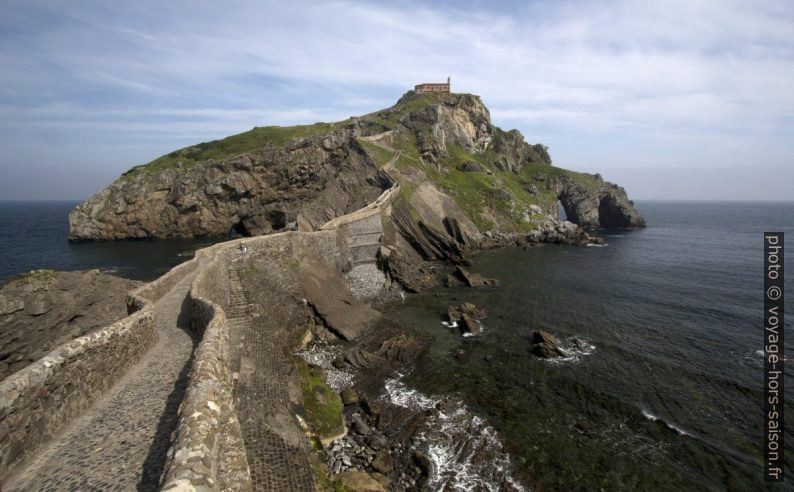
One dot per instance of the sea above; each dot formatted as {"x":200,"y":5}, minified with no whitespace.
{"x":662,"y":388}
{"x":33,"y":235}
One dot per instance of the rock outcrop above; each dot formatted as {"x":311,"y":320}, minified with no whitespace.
{"x":457,"y":174}
{"x":43,"y":309}
{"x":309,"y":180}
{"x":544,"y":345}
{"x":599,"y":204}
{"x":467,"y":316}
{"x":461,"y":276}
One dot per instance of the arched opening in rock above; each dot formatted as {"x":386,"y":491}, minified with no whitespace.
{"x":277,"y":219}
{"x":610,"y":213}
{"x":239,"y":230}
{"x":561,"y":215}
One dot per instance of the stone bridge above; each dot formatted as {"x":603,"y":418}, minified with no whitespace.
{"x":181,"y":393}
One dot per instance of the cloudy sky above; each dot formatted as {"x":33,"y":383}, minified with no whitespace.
{"x":671,"y":99}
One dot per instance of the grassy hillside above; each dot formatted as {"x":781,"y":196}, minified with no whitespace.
{"x":247,"y":142}
{"x":493,"y":199}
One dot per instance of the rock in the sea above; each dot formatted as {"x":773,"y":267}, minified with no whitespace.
{"x":467,"y":308}
{"x":400,"y":348}
{"x":425,"y":465}
{"x":461,"y":276}
{"x":446,"y":406}
{"x":467,"y":316}
{"x":598,"y":204}
{"x":470,"y":325}
{"x":564,"y":232}
{"x":544,"y":345}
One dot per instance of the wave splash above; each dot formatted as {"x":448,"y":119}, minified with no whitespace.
{"x":465,"y":451}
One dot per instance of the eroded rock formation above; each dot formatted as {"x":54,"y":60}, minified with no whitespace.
{"x":460,"y":177}
{"x":43,"y":309}
{"x":599,"y":204}
{"x":309,"y":180}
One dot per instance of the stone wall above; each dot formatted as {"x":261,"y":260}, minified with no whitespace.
{"x":208,"y":452}
{"x":362,"y":230}
{"x":39,"y":401}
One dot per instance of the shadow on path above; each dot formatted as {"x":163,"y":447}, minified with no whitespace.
{"x":154,"y":464}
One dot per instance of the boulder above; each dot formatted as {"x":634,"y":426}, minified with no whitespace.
{"x":383,"y":462}
{"x":467,"y":308}
{"x":544,"y":345}
{"x":470,"y":325}
{"x":371,"y":407}
{"x":377,"y":442}
{"x":349,"y":396}
{"x":360,"y":426}
{"x":472,"y":167}
{"x":359,"y":481}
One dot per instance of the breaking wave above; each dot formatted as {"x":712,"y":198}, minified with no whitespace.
{"x":465,"y":451}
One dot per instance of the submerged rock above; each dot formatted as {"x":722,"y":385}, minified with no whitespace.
{"x":461,"y":276}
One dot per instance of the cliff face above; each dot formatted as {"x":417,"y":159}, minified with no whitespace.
{"x":308,"y":180}
{"x":460,"y":175}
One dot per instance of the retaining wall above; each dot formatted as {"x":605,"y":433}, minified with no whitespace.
{"x":208,"y":452}
{"x":362,"y":230}
{"x":40,"y":400}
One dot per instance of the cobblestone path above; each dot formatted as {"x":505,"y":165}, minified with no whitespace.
{"x":275,"y":446}
{"x":122,"y":441}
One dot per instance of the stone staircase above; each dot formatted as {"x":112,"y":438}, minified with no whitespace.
{"x":277,"y":456}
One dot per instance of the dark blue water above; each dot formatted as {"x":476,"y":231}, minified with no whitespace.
{"x":33,"y":235}
{"x":670,"y":399}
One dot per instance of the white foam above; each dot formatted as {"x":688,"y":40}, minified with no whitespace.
{"x":465,"y":451}
{"x":597,"y":245}
{"x":401,"y":395}
{"x":573,"y":351}
{"x":648,"y":415}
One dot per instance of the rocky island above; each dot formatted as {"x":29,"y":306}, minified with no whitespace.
{"x":335,"y":219}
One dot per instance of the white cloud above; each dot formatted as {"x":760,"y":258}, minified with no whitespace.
{"x":665,"y":75}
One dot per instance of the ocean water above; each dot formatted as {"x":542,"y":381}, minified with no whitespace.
{"x":33,"y":235}
{"x":667,"y":398}
{"x":669,"y":394}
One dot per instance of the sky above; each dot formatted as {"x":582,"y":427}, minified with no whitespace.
{"x":670,"y":99}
